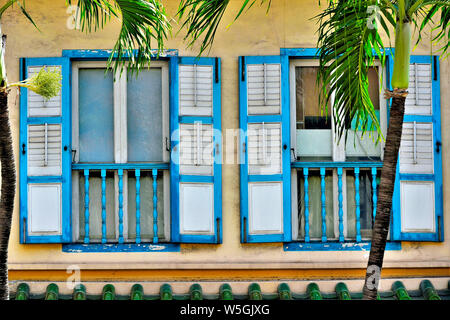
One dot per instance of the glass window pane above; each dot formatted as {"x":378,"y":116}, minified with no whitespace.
{"x":96,"y":115}
{"x":144,"y":116}
{"x":309,"y":115}
{"x":313,"y":129}
{"x":360,"y":147}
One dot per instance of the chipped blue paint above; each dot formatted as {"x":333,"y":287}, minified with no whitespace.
{"x":105,"y":54}
{"x":336,"y":246}
{"x":132,"y":247}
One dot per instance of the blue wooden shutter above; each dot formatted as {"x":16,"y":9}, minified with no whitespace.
{"x":196,"y":172}
{"x":264,"y":149}
{"x":418,"y":197}
{"x":45,"y":158}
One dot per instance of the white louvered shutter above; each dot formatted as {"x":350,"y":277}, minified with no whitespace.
{"x":418,"y":191}
{"x":196,"y":179}
{"x":45,"y":156}
{"x":265,"y":161}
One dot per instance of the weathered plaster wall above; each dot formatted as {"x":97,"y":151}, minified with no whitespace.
{"x":287,"y":24}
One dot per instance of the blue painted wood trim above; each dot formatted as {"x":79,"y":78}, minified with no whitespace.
{"x":300,"y":52}
{"x":314,"y":52}
{"x":194,"y":119}
{"x":337,"y":246}
{"x":143,"y":247}
{"x":103,"y":175}
{"x":196,"y":179}
{"x":46,"y":179}
{"x":174,"y":155}
{"x":436,"y":177}
{"x":270,"y":118}
{"x":105,"y":54}
{"x":120,"y":174}
{"x":137,"y":173}
{"x":357,"y":204}
{"x":331,"y":164}
{"x":243,"y":168}
{"x":323,"y":204}
{"x":340,"y":201}
{"x":66,"y":177}
{"x":86,"y":206}
{"x":42,"y":120}
{"x":306,"y":201}
{"x":374,"y":194}
{"x":155,"y":205}
{"x":123,"y":166}
{"x":265,"y":177}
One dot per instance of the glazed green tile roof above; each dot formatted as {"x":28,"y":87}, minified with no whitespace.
{"x":426,"y":291}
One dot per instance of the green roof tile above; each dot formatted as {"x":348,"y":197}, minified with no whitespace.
{"x":426,"y":291}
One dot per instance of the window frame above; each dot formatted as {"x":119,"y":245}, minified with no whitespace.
{"x":338,"y":152}
{"x":120,"y":145}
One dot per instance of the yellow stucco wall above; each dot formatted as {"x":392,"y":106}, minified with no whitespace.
{"x":286,"y":25}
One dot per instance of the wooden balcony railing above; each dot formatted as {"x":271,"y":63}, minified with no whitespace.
{"x":87,"y":169}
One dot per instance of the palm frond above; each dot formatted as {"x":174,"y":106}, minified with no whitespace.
{"x":144,"y":28}
{"x":143,"y":23}
{"x":93,"y":14}
{"x":21,"y":5}
{"x":202,"y":17}
{"x":349,"y":43}
{"x":427,"y":12}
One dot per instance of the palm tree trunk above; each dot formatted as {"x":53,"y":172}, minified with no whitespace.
{"x":8,"y":189}
{"x":386,"y":190}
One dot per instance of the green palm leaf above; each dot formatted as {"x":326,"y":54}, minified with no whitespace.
{"x":348,"y":45}
{"x":145,"y":26}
